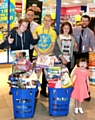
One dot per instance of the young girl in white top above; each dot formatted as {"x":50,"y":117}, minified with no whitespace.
{"x":67,"y":44}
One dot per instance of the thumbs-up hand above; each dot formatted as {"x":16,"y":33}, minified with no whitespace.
{"x":36,"y":36}
{"x":10,"y":40}
{"x":1,"y":41}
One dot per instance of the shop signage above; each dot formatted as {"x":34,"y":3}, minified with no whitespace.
{"x":91,"y":9}
{"x":4,"y":12}
{"x":70,"y":10}
{"x":18,"y":7}
{"x":36,"y":6}
{"x":92,"y":67}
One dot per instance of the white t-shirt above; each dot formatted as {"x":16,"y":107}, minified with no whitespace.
{"x":33,"y":25}
{"x":65,"y":46}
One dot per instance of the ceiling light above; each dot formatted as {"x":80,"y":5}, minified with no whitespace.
{"x":65,"y":3}
{"x":77,"y":1}
{"x":54,"y":4}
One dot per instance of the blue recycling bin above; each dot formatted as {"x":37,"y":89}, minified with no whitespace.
{"x":59,"y":99}
{"x":23,"y":102}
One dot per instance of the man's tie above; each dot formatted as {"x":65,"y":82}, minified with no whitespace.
{"x":28,"y":26}
{"x":80,"y":42}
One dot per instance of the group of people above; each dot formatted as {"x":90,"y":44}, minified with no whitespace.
{"x":74,"y":47}
{"x":43,"y":40}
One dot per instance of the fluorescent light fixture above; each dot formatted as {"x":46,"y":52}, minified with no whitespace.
{"x":90,"y":0}
{"x":55,"y":4}
{"x":65,"y":3}
{"x":77,"y":1}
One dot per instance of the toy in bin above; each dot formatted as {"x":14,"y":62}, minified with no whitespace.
{"x":31,"y":81}
{"x":38,"y":71}
{"x":46,"y":61}
{"x":53,"y":72}
{"x":66,"y":81}
{"x":20,"y":60}
{"x":13,"y":79}
{"x":58,"y":77}
{"x":55,"y":83}
{"x":27,"y":80}
{"x":59,"y":99}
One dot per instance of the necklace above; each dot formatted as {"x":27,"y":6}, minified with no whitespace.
{"x":44,"y":37}
{"x":44,"y":29}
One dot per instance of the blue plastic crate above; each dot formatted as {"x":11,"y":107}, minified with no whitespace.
{"x":23,"y":102}
{"x":59,"y":99}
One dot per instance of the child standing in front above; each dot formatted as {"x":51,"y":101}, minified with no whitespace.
{"x":81,"y":82}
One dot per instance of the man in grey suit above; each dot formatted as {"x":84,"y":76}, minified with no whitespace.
{"x":87,"y":38}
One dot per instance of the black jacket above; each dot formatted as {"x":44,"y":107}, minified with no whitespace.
{"x":3,"y":45}
{"x":23,"y":42}
{"x":20,"y":43}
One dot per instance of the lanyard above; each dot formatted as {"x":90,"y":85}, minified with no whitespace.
{"x":44,"y":29}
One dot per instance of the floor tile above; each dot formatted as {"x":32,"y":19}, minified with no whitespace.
{"x":9,"y":103}
{"x":7,"y":96}
{"x":8,"y":118}
{"x":42,"y":105}
{"x":50,"y":119}
{"x":68,"y":117}
{"x":93,"y":94}
{"x":11,"y":110}
{"x":91,"y":112}
{"x":42,"y":115}
{"x":5,"y":112}
{"x":39,"y":107}
{"x":11,"y":118}
{"x":3,"y":104}
{"x":1,"y":97}
{"x":84,"y":116}
{"x":87,"y":105}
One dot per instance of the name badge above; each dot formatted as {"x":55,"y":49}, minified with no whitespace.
{"x":83,"y":47}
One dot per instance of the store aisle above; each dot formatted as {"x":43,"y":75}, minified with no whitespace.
{"x":41,"y":111}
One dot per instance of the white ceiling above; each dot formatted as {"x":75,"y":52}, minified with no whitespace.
{"x":83,"y":2}
{"x":71,"y":3}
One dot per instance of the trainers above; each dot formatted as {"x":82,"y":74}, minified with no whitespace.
{"x":76,"y":111}
{"x":81,"y":110}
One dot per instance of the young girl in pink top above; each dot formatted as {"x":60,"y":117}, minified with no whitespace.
{"x":81,"y":82}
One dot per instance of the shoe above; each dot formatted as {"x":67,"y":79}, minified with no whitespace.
{"x":76,"y":111}
{"x":44,"y":94}
{"x":10,"y":93}
{"x":89,"y":98}
{"x":81,"y":110}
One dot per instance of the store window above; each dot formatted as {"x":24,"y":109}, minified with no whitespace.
{"x":6,"y":25}
{"x":12,"y":10}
